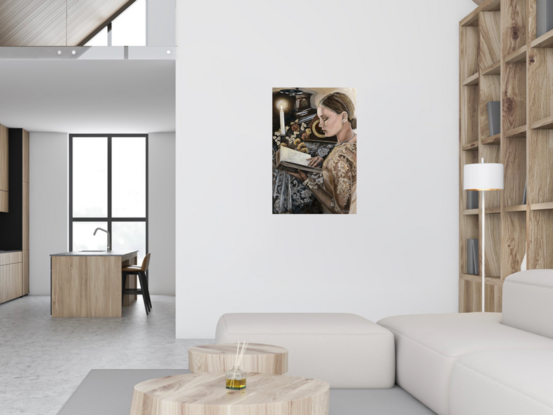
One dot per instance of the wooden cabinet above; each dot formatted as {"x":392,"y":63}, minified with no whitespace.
{"x":11,"y":281}
{"x":14,"y":225}
{"x":4,"y":168}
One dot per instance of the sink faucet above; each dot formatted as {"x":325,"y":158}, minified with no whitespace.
{"x":109,"y":238}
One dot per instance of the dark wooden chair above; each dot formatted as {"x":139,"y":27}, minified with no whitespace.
{"x":140,"y":271}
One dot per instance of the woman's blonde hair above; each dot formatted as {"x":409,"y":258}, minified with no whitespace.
{"x":339,"y":103}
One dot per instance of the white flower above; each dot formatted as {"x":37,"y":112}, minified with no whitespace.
{"x":322,"y":152}
{"x":297,"y":120}
{"x":287,"y":127}
{"x":303,"y":125}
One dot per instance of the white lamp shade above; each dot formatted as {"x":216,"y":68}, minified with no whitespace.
{"x":483,"y":176}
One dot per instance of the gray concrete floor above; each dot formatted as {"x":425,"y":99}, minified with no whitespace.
{"x":43,"y":360}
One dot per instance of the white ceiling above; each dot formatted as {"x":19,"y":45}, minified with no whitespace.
{"x":86,"y":96}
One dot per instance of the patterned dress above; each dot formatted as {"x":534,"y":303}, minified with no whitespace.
{"x":337,"y":191}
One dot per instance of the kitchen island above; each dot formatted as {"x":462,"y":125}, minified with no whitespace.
{"x":88,"y":284}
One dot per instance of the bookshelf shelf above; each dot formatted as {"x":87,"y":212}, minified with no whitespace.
{"x":515,"y":208}
{"x":498,"y":42}
{"x":519,"y":132}
{"x":495,"y":139}
{"x":517,"y":56}
{"x":471,"y":146}
{"x":541,"y":206}
{"x":493,"y":69}
{"x":543,"y":42}
{"x":472,"y":80}
{"x":478,"y":279}
{"x":543,"y":124}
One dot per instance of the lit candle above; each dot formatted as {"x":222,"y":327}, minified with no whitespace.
{"x":282,"y":127}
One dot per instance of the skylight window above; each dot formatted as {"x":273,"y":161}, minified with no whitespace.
{"x":128,"y":29}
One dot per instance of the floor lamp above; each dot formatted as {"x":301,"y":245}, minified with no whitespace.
{"x":483,"y":177}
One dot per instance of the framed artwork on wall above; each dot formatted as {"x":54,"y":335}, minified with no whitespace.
{"x":314,"y":144}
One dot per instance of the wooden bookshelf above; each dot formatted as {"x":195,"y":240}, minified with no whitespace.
{"x":498,"y":44}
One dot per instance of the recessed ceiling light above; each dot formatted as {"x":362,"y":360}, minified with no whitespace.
{"x":168,"y":52}
{"x":59,"y":52}
{"x":73,"y":52}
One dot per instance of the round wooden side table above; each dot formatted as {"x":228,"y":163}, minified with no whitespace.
{"x":205,"y":394}
{"x":259,"y":358}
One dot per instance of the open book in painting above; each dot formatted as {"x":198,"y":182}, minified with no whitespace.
{"x":292,"y":160}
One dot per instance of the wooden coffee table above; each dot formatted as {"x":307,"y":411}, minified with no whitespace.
{"x":205,"y":394}
{"x":259,"y":358}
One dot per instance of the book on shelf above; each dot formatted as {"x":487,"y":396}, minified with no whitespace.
{"x":494,"y":119}
{"x":544,"y":17}
{"x":292,"y":161}
{"x":524,"y":196}
{"x":472,"y":199}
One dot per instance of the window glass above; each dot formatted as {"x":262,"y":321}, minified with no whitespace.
{"x":90,"y":177}
{"x":101,"y":38}
{"x":130,"y":236}
{"x":129,"y":28}
{"x":84,"y":238}
{"x":128,"y":156}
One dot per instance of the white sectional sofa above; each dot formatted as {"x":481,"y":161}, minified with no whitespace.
{"x":482,"y":363}
{"x":345,"y":350}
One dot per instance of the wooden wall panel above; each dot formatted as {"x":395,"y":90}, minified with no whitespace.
{"x":540,"y":84}
{"x":469,"y":38}
{"x":513,"y":25}
{"x":32,"y":23}
{"x":490,"y":39}
{"x":514,"y":161}
{"x":540,"y":255}
{"x":513,"y":242}
{"x":540,"y":171}
{"x":513,"y":105}
{"x":55,"y":22}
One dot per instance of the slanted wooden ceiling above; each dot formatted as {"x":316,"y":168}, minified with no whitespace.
{"x":479,"y":2}
{"x":55,"y":22}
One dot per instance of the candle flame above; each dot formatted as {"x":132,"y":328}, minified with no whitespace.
{"x":281,"y":107}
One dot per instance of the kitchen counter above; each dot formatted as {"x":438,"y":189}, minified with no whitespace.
{"x":98,"y":253}
{"x":89,"y":284}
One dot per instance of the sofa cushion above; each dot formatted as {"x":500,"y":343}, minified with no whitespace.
{"x":346,"y":350}
{"x":427,"y":347}
{"x":503,"y":382}
{"x":528,"y":301}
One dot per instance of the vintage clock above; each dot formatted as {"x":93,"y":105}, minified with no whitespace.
{"x":296,"y":104}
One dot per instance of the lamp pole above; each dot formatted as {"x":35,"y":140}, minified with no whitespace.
{"x":483,"y":192}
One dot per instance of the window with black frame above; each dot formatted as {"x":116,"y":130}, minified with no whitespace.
{"x":108,"y":185}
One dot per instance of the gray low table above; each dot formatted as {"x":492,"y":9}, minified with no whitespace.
{"x":109,"y":392}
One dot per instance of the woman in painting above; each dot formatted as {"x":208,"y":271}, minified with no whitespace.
{"x":338,"y":190}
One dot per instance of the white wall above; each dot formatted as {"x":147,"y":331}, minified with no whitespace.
{"x":48,"y":220}
{"x":160,"y":26}
{"x":162,"y":212}
{"x":400,"y":253}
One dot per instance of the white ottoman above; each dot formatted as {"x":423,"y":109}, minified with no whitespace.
{"x":345,"y":350}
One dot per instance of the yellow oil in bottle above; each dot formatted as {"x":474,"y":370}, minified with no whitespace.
{"x":236,"y":384}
